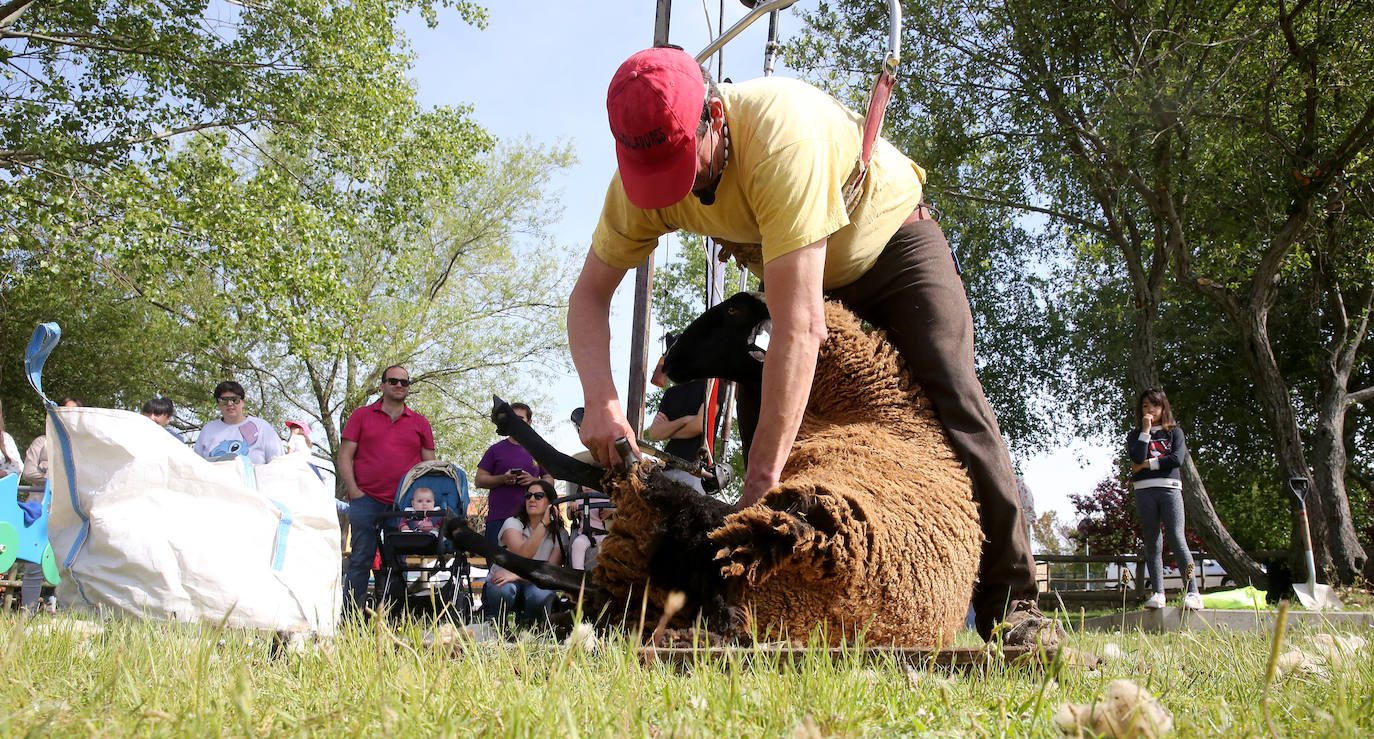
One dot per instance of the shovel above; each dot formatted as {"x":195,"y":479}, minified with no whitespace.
{"x":1313,"y":597}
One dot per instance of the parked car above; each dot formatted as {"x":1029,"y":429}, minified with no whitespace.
{"x":1210,"y":575}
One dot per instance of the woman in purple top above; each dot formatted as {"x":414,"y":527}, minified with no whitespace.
{"x":506,"y":470}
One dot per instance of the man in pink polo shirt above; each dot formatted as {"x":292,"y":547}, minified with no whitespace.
{"x":381,"y":442}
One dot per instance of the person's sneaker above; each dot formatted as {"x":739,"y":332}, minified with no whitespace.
{"x":1156,"y":601}
{"x":1026,"y":626}
{"x":1193,"y":602}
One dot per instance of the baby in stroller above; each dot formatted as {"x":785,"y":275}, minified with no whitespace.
{"x":420,"y":571}
{"x":422,"y":501}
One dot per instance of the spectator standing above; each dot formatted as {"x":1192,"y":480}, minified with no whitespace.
{"x":160,"y":412}
{"x":36,"y":456}
{"x":36,"y":473}
{"x":681,"y":420}
{"x":506,"y":470}
{"x":381,"y":442}
{"x":234,"y":426}
{"x":299,"y":439}
{"x":1157,"y":450}
{"x":10,"y":461}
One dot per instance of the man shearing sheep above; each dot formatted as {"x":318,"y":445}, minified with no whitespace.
{"x":763,"y":167}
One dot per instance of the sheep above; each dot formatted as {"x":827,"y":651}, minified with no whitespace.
{"x":659,"y":538}
{"x":872,"y":532}
{"x":873,"y":528}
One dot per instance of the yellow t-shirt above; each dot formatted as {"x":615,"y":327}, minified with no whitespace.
{"x":791,"y":149}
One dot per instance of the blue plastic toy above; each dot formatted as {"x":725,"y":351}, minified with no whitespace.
{"x":20,"y":540}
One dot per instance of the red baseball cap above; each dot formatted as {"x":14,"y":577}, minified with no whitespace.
{"x":655,"y":102}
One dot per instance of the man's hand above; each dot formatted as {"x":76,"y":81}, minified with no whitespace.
{"x":755,"y":486}
{"x":519,"y":477}
{"x":354,"y":492}
{"x":1138,"y":466}
{"x":600,"y":430}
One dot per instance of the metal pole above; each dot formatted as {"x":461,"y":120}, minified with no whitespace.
{"x":644,"y":283}
{"x":770,"y":55}
{"x":754,"y":14}
{"x":662,"y":18}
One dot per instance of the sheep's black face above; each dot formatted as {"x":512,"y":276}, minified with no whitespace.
{"x":728,"y":341}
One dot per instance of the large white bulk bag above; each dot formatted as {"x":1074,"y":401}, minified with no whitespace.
{"x":141,"y":524}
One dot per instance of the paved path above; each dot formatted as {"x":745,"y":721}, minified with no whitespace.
{"x":1177,"y":619}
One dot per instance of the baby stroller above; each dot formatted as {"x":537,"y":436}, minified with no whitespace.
{"x":589,"y":526}
{"x":420,"y":571}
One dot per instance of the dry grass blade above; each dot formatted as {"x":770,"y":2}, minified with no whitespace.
{"x":1280,"y":626}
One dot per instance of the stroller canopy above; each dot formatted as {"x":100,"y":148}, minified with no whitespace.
{"x":449,"y":483}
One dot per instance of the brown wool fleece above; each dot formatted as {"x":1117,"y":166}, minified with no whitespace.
{"x":873,"y":530}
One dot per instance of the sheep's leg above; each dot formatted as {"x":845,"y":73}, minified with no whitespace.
{"x":556,"y":463}
{"x":543,"y":574}
{"x":755,"y":541}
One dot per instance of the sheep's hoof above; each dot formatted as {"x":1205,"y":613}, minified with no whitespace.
{"x":754,"y":545}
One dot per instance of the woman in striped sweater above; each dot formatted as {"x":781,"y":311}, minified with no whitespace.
{"x":1157,"y":450}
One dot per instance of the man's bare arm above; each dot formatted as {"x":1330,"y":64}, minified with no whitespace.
{"x":792,"y":286}
{"x":589,"y":338}
{"x":344,"y":464}
{"x":488,"y":480}
{"x":684,"y":427}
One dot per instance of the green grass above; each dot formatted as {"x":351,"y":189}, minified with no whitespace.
{"x":142,"y":678}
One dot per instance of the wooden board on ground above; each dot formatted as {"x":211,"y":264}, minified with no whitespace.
{"x":955,"y":657}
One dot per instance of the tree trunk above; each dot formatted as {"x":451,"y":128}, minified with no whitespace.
{"x":1201,"y":516}
{"x":1328,"y":471}
{"x":1277,"y":402}
{"x":1203,"y":520}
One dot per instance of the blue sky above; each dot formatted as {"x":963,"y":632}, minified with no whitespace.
{"x":540,"y":69}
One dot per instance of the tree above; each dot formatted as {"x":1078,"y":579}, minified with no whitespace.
{"x":1107,"y":519}
{"x":470,"y":306}
{"x":278,"y":208}
{"x":1050,"y":535}
{"x":117,"y":119}
{"x":1117,"y":122}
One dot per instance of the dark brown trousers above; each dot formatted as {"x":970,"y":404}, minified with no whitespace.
{"x":915,"y":293}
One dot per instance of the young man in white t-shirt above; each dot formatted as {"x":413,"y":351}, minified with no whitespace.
{"x":236,"y":432}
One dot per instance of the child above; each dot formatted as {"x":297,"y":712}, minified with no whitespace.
{"x":1157,"y":450}
{"x":299,"y":440}
{"x":422,"y":500}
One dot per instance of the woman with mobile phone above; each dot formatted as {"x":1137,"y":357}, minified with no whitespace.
{"x":1157,"y":450}
{"x":534,"y":532}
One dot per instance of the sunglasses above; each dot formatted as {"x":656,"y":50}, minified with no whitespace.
{"x":229,"y":400}
{"x":535,"y":496}
{"x":402,"y":381}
